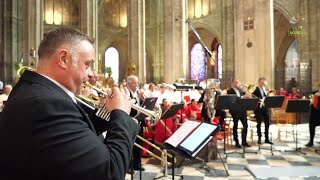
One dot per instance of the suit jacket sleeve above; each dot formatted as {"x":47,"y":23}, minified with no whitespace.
{"x":70,"y":149}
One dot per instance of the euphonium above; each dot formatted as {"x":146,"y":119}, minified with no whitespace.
{"x":211,"y":85}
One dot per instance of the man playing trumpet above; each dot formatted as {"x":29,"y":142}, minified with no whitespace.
{"x":45,"y":134}
{"x":262,"y":113}
{"x":239,"y":115}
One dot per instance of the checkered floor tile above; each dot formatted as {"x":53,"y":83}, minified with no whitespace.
{"x":283,"y":154}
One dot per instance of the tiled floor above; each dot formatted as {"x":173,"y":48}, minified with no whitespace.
{"x":238,"y":167}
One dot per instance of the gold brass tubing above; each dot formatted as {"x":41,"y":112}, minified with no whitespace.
{"x":152,"y":154}
{"x":151,"y":144}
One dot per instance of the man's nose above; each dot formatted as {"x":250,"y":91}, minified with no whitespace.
{"x":90,"y":73}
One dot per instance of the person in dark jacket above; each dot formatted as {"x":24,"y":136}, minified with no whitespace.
{"x":45,"y":134}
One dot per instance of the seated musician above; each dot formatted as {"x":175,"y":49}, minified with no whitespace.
{"x":314,"y":119}
{"x":282,"y":92}
{"x":148,"y":134}
{"x":295,"y":94}
{"x":165,"y":127}
{"x":193,"y":110}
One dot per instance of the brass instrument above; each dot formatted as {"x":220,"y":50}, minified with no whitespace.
{"x":22,"y":68}
{"x":248,"y":89}
{"x":155,"y":147}
{"x":93,"y":105}
{"x":271,"y":92}
{"x":211,"y":86}
{"x":154,"y":115}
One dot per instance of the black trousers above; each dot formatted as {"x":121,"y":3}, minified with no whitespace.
{"x":242,"y":116}
{"x":262,"y":115}
{"x":313,"y":121}
{"x":136,"y":152}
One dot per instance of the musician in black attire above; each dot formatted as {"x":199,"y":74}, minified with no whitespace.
{"x":239,"y":115}
{"x":314,"y":119}
{"x":262,"y":114}
{"x":205,"y":113}
{"x":132,"y":85}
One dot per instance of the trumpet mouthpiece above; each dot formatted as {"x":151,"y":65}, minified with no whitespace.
{"x":87,"y":84}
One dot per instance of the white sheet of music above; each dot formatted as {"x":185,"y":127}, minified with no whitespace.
{"x":182,"y":132}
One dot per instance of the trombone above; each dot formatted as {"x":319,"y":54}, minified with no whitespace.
{"x":163,"y":161}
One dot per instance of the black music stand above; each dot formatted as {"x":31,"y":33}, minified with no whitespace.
{"x":149,"y":104}
{"x":298,"y":106}
{"x":193,"y":142}
{"x":245,"y":104}
{"x":170,"y":112}
{"x":272,"y":102}
{"x":225,"y":102}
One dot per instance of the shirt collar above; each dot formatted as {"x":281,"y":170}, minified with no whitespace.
{"x":62,"y":87}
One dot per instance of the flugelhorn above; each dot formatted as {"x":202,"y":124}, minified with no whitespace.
{"x":154,"y":115}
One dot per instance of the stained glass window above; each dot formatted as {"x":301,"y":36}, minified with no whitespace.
{"x":197,"y":64}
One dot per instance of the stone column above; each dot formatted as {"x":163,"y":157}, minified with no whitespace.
{"x":33,"y":37}
{"x":309,"y":45}
{"x":228,"y":34}
{"x":255,"y":61}
{"x":11,"y":46}
{"x":175,"y":40}
{"x":136,"y":36}
{"x":89,"y":24}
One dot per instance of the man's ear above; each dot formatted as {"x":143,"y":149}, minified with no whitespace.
{"x":62,"y":58}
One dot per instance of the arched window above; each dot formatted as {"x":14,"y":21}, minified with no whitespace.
{"x":61,"y":12}
{"x":292,"y":66}
{"x":219,"y":61}
{"x":200,"y":8}
{"x":198,"y":63}
{"x":112,"y":61}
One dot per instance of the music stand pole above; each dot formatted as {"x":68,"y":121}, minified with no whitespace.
{"x":297,"y":149}
{"x":272,"y":102}
{"x":297,"y":106}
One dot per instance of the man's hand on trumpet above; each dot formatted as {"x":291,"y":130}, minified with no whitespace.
{"x":119,"y":99}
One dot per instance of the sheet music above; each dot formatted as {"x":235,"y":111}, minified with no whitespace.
{"x":197,"y":137}
{"x":182,"y":132}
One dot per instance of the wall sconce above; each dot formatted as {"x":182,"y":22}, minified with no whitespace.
{"x":32,"y":53}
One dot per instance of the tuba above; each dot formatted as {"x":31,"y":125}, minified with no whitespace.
{"x":211,"y":87}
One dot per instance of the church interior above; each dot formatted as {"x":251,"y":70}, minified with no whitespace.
{"x":183,"y":48}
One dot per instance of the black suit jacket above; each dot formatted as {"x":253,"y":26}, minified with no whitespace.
{"x":204,"y":110}
{"x":236,"y":112}
{"x":45,"y":135}
{"x":257,"y":93}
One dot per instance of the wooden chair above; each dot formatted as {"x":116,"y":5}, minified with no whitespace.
{"x":283,"y":123}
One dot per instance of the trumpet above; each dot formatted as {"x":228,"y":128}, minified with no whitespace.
{"x":102,"y":112}
{"x":271,"y":92}
{"x":155,"y":115}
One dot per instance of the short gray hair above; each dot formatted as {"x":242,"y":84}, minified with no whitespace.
{"x":132,"y":78}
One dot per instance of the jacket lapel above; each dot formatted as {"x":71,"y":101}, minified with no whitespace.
{"x":39,"y":79}
{"x":86,"y":118}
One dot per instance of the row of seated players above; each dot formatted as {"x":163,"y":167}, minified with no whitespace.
{"x":164,"y":128}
